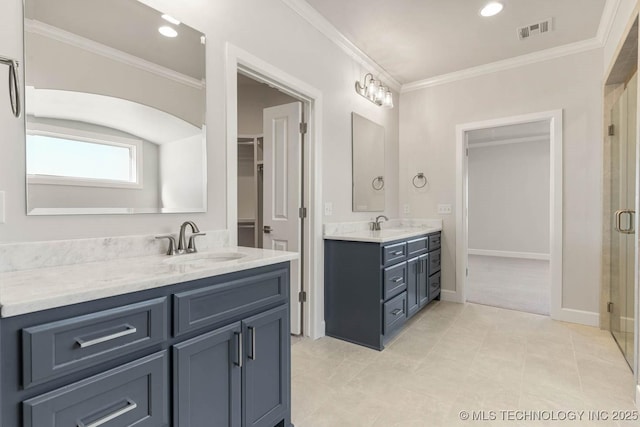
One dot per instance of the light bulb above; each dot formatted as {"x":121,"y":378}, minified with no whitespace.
{"x":380,"y":94}
{"x":388,"y":99}
{"x":372,"y":89}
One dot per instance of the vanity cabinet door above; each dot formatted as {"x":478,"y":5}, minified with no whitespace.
{"x":266,"y":372}
{"x":423,"y":280}
{"x":413,"y":274}
{"x":206,"y":379}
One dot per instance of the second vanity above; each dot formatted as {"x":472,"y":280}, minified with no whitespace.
{"x":191,"y":340}
{"x":376,"y":280}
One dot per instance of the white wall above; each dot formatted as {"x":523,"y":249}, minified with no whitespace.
{"x":266,"y":28}
{"x":428,"y":119}
{"x":509,"y":197}
{"x":182,"y":174}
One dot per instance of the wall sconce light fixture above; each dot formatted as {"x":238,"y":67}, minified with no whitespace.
{"x":375,"y":91}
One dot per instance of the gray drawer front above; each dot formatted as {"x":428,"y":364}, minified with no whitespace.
{"x":395,"y":313}
{"x":417,"y":246}
{"x":394,"y":280}
{"x":434,"y":286}
{"x":394,"y":253}
{"x":55,"y":349}
{"x":434,"y":262}
{"x":434,"y":241}
{"x":214,"y":304}
{"x":133,"y":394}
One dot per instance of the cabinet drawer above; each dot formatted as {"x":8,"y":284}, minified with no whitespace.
{"x":434,"y":241}
{"x":215,"y":304}
{"x":417,"y":246}
{"x":434,"y":286}
{"x":133,"y":394}
{"x":54,"y":349}
{"x":394,"y":253}
{"x":394,"y":280}
{"x":434,"y":262}
{"x":395,"y":313}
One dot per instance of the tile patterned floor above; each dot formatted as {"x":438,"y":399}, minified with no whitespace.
{"x":453,"y":358}
{"x":513,"y":283}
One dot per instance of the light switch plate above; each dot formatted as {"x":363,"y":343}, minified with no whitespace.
{"x":328,"y":209}
{"x":2,"y":218}
{"x":407,"y":208}
{"x":444,"y":209}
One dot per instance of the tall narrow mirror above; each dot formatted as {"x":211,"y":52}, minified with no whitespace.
{"x":368,"y":165}
{"x":115,"y":109}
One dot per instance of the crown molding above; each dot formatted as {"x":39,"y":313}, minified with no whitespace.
{"x":321,"y":24}
{"x":55,"y":33}
{"x":606,"y":21}
{"x":507,"y":64}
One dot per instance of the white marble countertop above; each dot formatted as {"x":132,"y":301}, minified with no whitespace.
{"x":382,"y":236}
{"x":28,"y":291}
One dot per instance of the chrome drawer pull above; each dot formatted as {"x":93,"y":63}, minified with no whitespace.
{"x":253,"y":342}
{"x":397,"y":279}
{"x":397,"y":311}
{"x":131,"y":405}
{"x":398,"y":253}
{"x":84,"y":344}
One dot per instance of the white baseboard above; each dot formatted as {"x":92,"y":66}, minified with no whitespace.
{"x":510,"y":254}
{"x":450,"y":296}
{"x":582,"y":317}
{"x":627,"y":323}
{"x":320,"y":332}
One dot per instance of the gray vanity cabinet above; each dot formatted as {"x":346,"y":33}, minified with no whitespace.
{"x":265,"y":372}
{"x":371,"y":289}
{"x":207,"y":379}
{"x":118,"y":361}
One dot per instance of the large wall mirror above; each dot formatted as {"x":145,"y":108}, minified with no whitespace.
{"x":114,"y":109}
{"x":368,"y":165}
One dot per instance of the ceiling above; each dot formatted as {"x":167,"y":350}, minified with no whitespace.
{"x":419,"y":39}
{"x":128,"y":26}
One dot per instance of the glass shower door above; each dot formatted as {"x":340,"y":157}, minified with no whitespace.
{"x":623,"y":235}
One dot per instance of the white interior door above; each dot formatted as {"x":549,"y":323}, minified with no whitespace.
{"x":282,"y":192}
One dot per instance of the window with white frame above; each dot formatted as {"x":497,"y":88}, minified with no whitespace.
{"x":79,"y":159}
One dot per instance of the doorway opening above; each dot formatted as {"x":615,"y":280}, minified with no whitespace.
{"x":508,"y":216}
{"x":509,"y":189}
{"x":270,"y":173}
{"x":310,"y":299}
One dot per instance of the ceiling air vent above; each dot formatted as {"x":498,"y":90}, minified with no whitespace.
{"x":535,"y":29}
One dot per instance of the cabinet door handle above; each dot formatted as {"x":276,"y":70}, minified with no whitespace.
{"x":128,"y":331}
{"x":240,"y":355}
{"x":398,"y":253}
{"x":397,"y":279}
{"x":131,"y":405}
{"x":397,"y":311}
{"x":253,"y":342}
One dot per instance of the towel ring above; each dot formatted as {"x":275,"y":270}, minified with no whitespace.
{"x":379,"y":179}
{"x":420,"y":176}
{"x":14,"y":85}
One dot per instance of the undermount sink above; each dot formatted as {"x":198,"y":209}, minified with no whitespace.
{"x":204,"y":258}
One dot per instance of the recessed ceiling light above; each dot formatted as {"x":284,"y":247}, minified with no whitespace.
{"x":168,"y":31}
{"x":491,"y":9}
{"x":171,"y":19}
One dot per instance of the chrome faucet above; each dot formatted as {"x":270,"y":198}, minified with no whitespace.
{"x":183,"y":247}
{"x":375,"y":226}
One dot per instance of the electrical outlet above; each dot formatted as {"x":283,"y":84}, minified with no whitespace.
{"x":328,"y":209}
{"x":444,"y":209}
{"x":2,"y":218}
{"x":407,"y":208}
